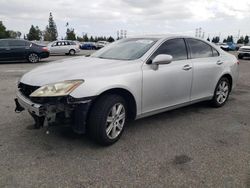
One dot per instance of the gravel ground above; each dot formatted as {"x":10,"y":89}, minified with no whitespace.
{"x":195,"y":146}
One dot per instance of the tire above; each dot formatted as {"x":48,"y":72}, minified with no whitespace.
{"x":104,"y":126}
{"x":221,"y":92}
{"x":33,"y":58}
{"x":72,"y":52}
{"x":240,"y":56}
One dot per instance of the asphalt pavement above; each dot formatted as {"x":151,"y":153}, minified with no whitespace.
{"x":195,"y":146}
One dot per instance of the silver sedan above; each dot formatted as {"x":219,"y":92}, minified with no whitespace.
{"x":128,"y":79}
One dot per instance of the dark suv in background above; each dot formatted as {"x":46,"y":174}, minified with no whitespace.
{"x":16,"y":49}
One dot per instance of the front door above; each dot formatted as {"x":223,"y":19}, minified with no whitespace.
{"x":170,"y":84}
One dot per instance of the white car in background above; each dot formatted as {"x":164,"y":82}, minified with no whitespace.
{"x":101,"y":44}
{"x":244,"y":51}
{"x":64,"y":47}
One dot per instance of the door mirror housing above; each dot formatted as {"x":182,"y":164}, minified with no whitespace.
{"x":162,"y":59}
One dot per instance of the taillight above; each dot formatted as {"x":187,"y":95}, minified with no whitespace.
{"x":45,"y":49}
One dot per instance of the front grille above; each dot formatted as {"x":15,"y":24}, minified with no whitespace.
{"x":26,"y":90}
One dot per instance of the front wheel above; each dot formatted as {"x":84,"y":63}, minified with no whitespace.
{"x":107,"y":119}
{"x":33,"y":58}
{"x":240,"y":56}
{"x":221,"y":92}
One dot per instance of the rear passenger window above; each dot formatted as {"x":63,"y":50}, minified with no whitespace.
{"x":215,"y":52}
{"x":173,"y":47}
{"x":3,"y":43}
{"x":16,"y":43}
{"x":199,"y":49}
{"x":72,"y":43}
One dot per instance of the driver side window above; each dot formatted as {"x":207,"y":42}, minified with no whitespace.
{"x":173,"y":47}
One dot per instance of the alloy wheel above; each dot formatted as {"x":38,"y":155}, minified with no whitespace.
{"x":115,"y":121}
{"x":222,"y":92}
{"x":33,"y":58}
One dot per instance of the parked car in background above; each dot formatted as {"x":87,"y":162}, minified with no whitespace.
{"x":223,"y":46}
{"x":229,"y":46}
{"x":238,"y":46}
{"x":129,"y":79}
{"x":64,"y":47}
{"x":244,"y":51}
{"x":16,"y":49}
{"x":88,"y":46}
{"x":101,"y":44}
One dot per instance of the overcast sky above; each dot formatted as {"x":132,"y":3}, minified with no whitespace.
{"x":105,"y":17}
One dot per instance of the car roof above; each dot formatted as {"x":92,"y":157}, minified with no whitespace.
{"x":161,"y":36}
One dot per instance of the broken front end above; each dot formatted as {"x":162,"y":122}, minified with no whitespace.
{"x":52,"y":104}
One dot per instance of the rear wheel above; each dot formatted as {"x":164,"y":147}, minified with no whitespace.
{"x":107,"y":119}
{"x":72,"y":52}
{"x":33,"y":58}
{"x":221,"y":92}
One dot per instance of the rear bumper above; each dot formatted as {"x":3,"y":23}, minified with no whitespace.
{"x":44,"y":55}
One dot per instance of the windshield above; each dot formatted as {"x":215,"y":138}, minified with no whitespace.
{"x":126,"y":49}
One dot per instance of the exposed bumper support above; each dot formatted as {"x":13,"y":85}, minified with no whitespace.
{"x":34,"y":108}
{"x":76,"y":111}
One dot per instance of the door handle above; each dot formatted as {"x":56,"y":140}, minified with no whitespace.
{"x":219,"y":62}
{"x":187,"y":67}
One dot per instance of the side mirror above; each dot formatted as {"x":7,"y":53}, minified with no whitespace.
{"x":162,"y":59}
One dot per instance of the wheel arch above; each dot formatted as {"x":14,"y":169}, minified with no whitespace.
{"x":127,"y":95}
{"x":230,"y":78}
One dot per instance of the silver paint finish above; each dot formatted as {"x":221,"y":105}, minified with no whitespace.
{"x":169,"y":86}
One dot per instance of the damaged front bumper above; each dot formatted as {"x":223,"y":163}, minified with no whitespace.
{"x":74,"y":110}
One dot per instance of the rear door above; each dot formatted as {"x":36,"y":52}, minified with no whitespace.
{"x":17,"y":49}
{"x":65,"y":47}
{"x":4,"y":50}
{"x":207,"y":66}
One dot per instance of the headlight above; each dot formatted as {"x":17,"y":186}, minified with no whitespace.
{"x":57,"y":89}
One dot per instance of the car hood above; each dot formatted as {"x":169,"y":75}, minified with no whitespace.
{"x":77,"y":68}
{"x":245,"y":47}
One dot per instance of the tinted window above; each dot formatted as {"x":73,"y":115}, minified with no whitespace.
{"x":72,"y":43}
{"x":3,"y":43}
{"x":17,"y":43}
{"x":199,"y":49}
{"x":126,"y":49}
{"x":173,"y":47}
{"x":215,"y":52}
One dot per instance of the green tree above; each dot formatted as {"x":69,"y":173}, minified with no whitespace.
{"x":85,"y":38}
{"x":92,"y":39}
{"x":241,"y":40}
{"x":216,"y":39}
{"x":110,"y":39}
{"x":19,"y":34}
{"x":51,"y":33}
{"x":229,"y":39}
{"x":3,"y":32}
{"x":246,"y":40}
{"x":70,"y":34}
{"x":34,"y":33}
